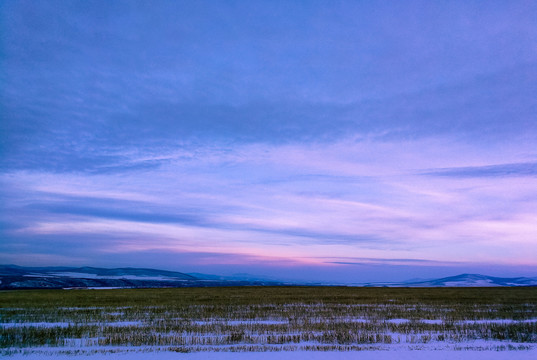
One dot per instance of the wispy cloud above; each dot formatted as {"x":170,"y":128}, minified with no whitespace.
{"x":500,"y":170}
{"x":383,"y":261}
{"x":335,"y":199}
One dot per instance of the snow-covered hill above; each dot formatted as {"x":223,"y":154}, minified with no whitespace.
{"x":475,"y":280}
{"x":18,"y":277}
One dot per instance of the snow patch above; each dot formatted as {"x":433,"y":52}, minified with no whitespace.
{"x":78,"y":275}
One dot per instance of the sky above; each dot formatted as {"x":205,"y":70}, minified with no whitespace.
{"x":339,"y":141}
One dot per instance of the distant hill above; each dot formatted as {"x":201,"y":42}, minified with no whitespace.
{"x":19,"y":277}
{"x":463,"y":280}
{"x":475,"y":280}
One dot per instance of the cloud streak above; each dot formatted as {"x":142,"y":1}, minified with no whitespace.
{"x":501,"y":170}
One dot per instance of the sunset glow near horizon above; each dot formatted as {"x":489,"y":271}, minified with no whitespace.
{"x":305,"y":140}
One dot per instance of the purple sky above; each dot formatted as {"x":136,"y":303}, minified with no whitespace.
{"x":319,"y":140}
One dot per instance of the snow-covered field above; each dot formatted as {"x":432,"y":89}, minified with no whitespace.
{"x":394,"y":354}
{"x":271,"y":338}
{"x":261,"y":323}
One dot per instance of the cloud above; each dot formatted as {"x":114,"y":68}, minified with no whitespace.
{"x":83,"y":87}
{"x":500,"y":170}
{"x":50,"y":136}
{"x":80,"y":209}
{"x":366,"y":261}
{"x":122,"y":213}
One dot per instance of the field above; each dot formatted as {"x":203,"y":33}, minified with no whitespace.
{"x":267,"y":319}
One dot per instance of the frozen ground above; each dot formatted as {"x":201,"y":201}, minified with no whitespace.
{"x":293,"y":355}
{"x":261,"y":323}
{"x":477,"y":349}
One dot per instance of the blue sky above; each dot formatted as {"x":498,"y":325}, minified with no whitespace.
{"x":318,"y":140}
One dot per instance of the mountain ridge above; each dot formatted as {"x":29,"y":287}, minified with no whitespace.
{"x":64,"y":277}
{"x":463,"y":280}
{"x":479,"y":280}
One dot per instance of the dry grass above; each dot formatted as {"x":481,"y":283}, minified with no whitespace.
{"x":270,"y":318}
